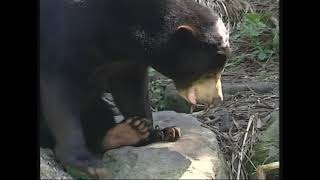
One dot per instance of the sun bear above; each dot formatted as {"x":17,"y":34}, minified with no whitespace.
{"x":89,"y":47}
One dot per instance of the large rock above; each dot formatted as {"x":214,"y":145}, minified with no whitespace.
{"x":266,"y":150}
{"x":195,"y":155}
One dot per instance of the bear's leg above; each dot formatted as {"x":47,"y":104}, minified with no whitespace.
{"x":130,"y":92}
{"x":61,"y":101}
{"x":97,"y":119}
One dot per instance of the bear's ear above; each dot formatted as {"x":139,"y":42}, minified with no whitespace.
{"x":185,"y":32}
{"x":186,"y":29}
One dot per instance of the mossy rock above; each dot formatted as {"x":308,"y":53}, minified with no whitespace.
{"x":173,"y":101}
{"x":266,"y":150}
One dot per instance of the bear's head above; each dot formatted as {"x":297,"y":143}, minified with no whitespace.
{"x":195,"y":58}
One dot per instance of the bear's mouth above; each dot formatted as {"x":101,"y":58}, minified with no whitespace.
{"x":191,"y":97}
{"x":205,"y":91}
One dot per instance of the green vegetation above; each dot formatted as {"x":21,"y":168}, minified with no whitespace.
{"x":256,"y":38}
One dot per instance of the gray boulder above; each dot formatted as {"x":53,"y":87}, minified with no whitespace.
{"x":195,"y":156}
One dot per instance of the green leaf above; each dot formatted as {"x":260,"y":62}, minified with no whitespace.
{"x":262,"y":56}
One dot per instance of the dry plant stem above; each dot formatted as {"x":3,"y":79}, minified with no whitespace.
{"x":243,"y":144}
